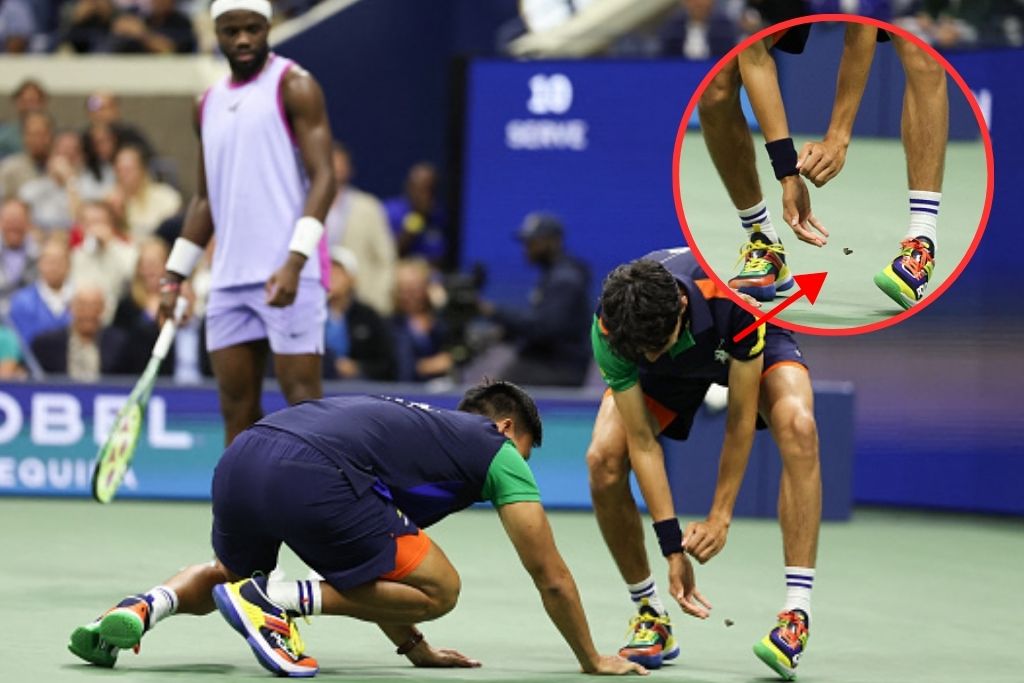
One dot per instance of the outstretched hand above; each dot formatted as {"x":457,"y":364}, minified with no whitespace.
{"x":613,"y":665}
{"x":425,"y":656}
{"x":796,"y":211}
{"x":682,"y":584}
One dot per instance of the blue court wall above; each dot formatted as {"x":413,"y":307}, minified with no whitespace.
{"x":49,"y":436}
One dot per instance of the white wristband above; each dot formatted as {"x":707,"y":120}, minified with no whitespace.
{"x":183,"y":257}
{"x":306,"y":237}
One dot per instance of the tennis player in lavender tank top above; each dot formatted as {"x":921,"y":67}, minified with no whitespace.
{"x":265,"y":185}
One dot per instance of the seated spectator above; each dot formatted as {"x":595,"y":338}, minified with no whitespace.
{"x":420,"y":335}
{"x":10,"y":356}
{"x":105,"y":258}
{"x":104,"y":109}
{"x":86,"y":26}
{"x":358,"y":343}
{"x":28,"y":96}
{"x":99,"y":145}
{"x":36,"y":139}
{"x":417,"y":220}
{"x":136,"y":313}
{"x":18,"y":250}
{"x":552,"y":334}
{"x":698,"y":30}
{"x":17,"y":26}
{"x":357,"y":221}
{"x":144,"y":202}
{"x":43,"y":305}
{"x":164,"y":29}
{"x":54,"y":199}
{"x":84,"y":350}
{"x":951,"y":23}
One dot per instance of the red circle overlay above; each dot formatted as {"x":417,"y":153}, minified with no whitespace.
{"x":681,"y":132}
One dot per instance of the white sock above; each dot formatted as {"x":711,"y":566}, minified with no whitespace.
{"x":757,"y":219}
{"x":646,"y":589}
{"x":924,"y":214}
{"x":299,"y":597}
{"x":163,"y":602}
{"x":799,"y":582}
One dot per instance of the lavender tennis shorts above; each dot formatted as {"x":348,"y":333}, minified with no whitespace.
{"x":236,"y":315}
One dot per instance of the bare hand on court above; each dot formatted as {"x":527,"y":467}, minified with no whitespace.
{"x":821,"y":161}
{"x":705,"y":539}
{"x":796,"y":211}
{"x":283,"y":285}
{"x":613,"y":665}
{"x":682,"y":584}
{"x":427,"y":657}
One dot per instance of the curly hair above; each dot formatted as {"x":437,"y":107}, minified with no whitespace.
{"x":497,"y":400}
{"x":640,"y":308}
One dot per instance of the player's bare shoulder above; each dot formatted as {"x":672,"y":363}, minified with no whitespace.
{"x":300,"y":89}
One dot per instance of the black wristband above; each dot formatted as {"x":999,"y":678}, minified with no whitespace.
{"x":783,"y":156}
{"x":670,"y":536}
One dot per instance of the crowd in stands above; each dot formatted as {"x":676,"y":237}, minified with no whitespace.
{"x":85,"y":227}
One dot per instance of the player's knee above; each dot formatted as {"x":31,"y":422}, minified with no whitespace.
{"x":921,"y":70}
{"x":801,"y":432}
{"x":443,"y":600}
{"x":608,"y":470}
{"x":720,"y":93}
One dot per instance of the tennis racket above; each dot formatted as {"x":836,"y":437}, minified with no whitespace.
{"x":116,"y":453}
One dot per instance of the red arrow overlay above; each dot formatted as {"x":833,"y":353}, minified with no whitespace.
{"x":808,"y":285}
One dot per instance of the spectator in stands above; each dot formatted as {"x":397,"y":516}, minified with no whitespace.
{"x":105,"y":258}
{"x":87,"y":25}
{"x":84,"y":350}
{"x":36,"y":140}
{"x":420,"y":335}
{"x":136,"y":311}
{"x":163,"y":29}
{"x":358,"y":342}
{"x":17,"y":25}
{"x":43,"y":305}
{"x":54,"y":198}
{"x":104,"y":109}
{"x":698,"y":29}
{"x":18,"y":250}
{"x":145,"y":203}
{"x":357,"y":221}
{"x":417,"y":219}
{"x":955,"y":23}
{"x":10,"y":356}
{"x":552,"y":334}
{"x":28,"y":96}
{"x":100,"y":144}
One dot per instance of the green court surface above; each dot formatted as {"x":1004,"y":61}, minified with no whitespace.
{"x":865,"y":210}
{"x":907,"y":597}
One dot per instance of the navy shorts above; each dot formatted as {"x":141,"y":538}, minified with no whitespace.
{"x":271,"y":488}
{"x":674,"y":401}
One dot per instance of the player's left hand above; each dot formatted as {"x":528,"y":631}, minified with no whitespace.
{"x":796,"y":211}
{"x":682,"y":584}
{"x":427,"y":657}
{"x":705,"y":539}
{"x":283,"y":285}
{"x":821,"y":161}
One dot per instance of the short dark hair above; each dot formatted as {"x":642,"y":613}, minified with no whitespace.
{"x":498,"y":399}
{"x":639,"y":308}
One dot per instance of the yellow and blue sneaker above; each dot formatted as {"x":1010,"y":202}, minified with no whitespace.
{"x":650,"y":638}
{"x":782,"y":648}
{"x":906,"y":278}
{"x":764,"y":271}
{"x":267,"y":627}
{"x":120,"y":627}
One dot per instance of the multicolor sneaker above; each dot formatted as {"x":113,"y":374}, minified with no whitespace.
{"x":782,"y":648}
{"x":906,"y":278}
{"x":267,"y":627}
{"x":120,"y":627}
{"x":764,"y":270}
{"x":650,"y":638}
{"x":87,"y":643}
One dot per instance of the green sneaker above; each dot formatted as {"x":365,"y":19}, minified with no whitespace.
{"x":906,"y":278}
{"x":87,"y":643}
{"x":782,"y":648}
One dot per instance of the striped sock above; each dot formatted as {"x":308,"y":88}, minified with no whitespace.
{"x":163,"y":602}
{"x":799,"y":582}
{"x":646,"y":589}
{"x":301,"y":598}
{"x":924,"y":215}
{"x":757,"y":218}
